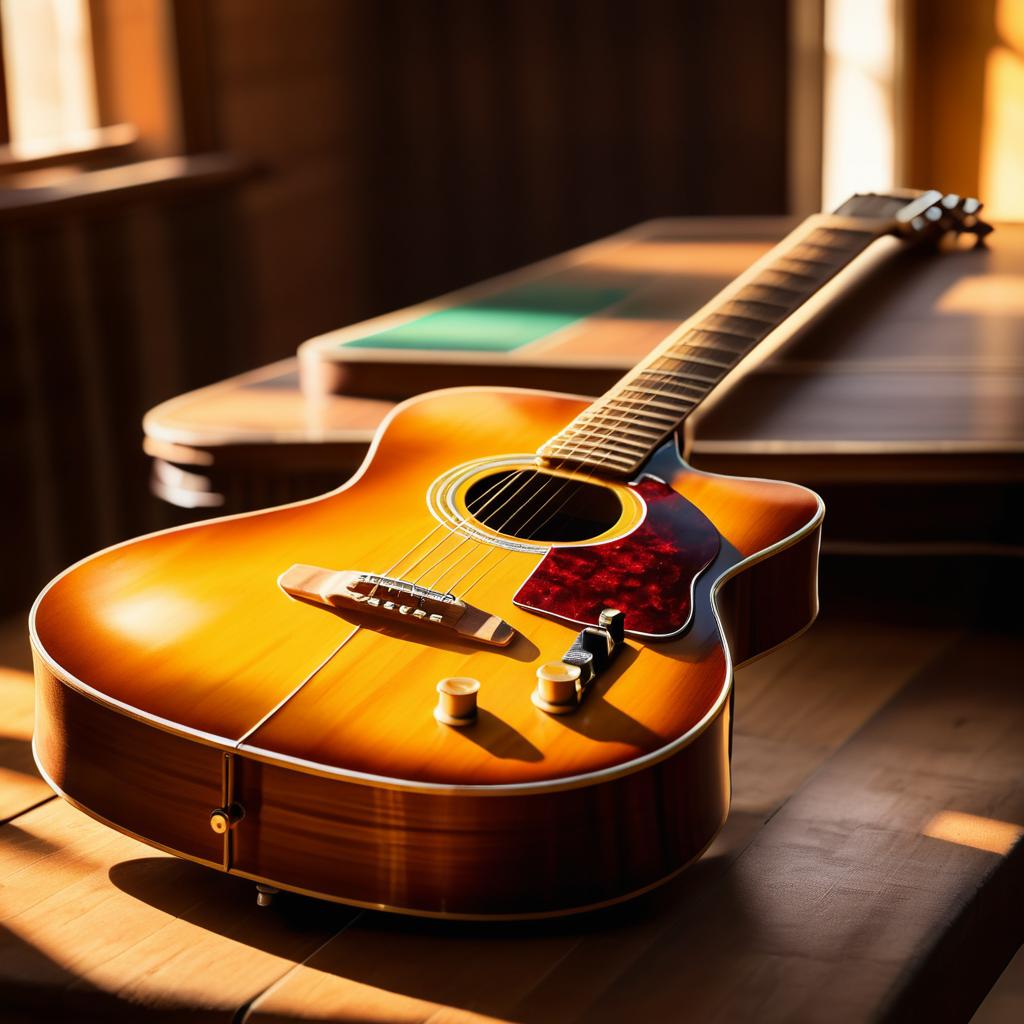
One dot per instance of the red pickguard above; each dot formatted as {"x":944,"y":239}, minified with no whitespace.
{"x":647,"y":575}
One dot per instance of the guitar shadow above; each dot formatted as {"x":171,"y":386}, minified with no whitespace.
{"x":413,"y":958}
{"x":499,"y":739}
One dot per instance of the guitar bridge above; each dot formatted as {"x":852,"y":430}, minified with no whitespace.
{"x":395,"y":599}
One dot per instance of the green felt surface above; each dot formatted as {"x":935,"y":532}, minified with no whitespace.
{"x":497,"y":323}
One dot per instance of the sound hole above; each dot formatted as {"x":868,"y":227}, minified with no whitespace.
{"x":532,"y":505}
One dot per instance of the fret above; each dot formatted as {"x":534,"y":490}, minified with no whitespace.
{"x":811,"y":251}
{"x":646,"y":410}
{"x":690,"y":351}
{"x":739,"y":325}
{"x":646,"y":433}
{"x":784,"y":299}
{"x":620,"y":442}
{"x":691,"y":343}
{"x":815,"y":272}
{"x":801,"y":286}
{"x":569,"y":452}
{"x":677,"y":388}
{"x":841,"y":239}
{"x":672,"y":380}
{"x":620,"y":425}
{"x":765,"y":312}
{"x":725,"y":331}
{"x":658,"y":401}
{"x":735,"y":344}
{"x":683,"y":366}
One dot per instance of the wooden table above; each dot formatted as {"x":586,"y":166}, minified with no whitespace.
{"x":870,"y":869}
{"x":902,"y":403}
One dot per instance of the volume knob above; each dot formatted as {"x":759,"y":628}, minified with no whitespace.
{"x":557,"y":689}
{"x":456,"y":700}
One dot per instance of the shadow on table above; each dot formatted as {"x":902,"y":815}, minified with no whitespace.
{"x":479,"y":966}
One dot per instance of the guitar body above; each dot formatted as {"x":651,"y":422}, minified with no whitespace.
{"x":175,"y":676}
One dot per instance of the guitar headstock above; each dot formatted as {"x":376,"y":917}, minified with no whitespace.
{"x":920,"y":216}
{"x":932,"y":214}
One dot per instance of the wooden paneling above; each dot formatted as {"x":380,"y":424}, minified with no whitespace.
{"x":137,"y":79}
{"x":20,"y":785}
{"x":412,"y":148}
{"x":949,"y":42}
{"x":104,"y":276}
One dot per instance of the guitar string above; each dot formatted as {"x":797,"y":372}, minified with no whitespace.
{"x":627,"y":417}
{"x":570,"y":496}
{"x":525,"y":473}
{"x":619,"y":423}
{"x":623,"y":420}
{"x":458,"y":531}
{"x":489,"y":494}
{"x":620,"y":419}
{"x":750,"y":343}
{"x":564,"y":459}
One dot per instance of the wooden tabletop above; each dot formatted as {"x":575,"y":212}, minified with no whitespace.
{"x":870,"y":869}
{"x":924,"y":353}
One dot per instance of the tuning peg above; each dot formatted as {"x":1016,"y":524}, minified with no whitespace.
{"x":971,"y":206}
{"x":951,"y":201}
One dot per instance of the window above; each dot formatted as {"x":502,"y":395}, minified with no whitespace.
{"x":49,"y":77}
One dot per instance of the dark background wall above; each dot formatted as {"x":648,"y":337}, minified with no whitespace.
{"x":402,"y":148}
{"x":413,"y":147}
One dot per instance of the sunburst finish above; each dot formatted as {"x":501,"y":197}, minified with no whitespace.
{"x":186,"y":634}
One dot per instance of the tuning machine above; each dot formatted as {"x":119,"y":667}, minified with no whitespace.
{"x":934,"y":213}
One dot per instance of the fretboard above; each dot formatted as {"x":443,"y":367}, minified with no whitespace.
{"x":619,"y":431}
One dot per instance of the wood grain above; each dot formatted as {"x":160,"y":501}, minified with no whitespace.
{"x":20,"y":785}
{"x":95,"y":925}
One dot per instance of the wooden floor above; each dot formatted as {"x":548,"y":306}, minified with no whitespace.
{"x":870,"y":869}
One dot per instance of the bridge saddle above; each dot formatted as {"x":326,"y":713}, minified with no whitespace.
{"x":393,"y":598}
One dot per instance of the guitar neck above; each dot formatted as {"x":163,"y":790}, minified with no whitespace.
{"x":618,"y":432}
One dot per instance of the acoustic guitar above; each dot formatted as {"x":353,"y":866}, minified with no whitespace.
{"x":491,"y":676}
